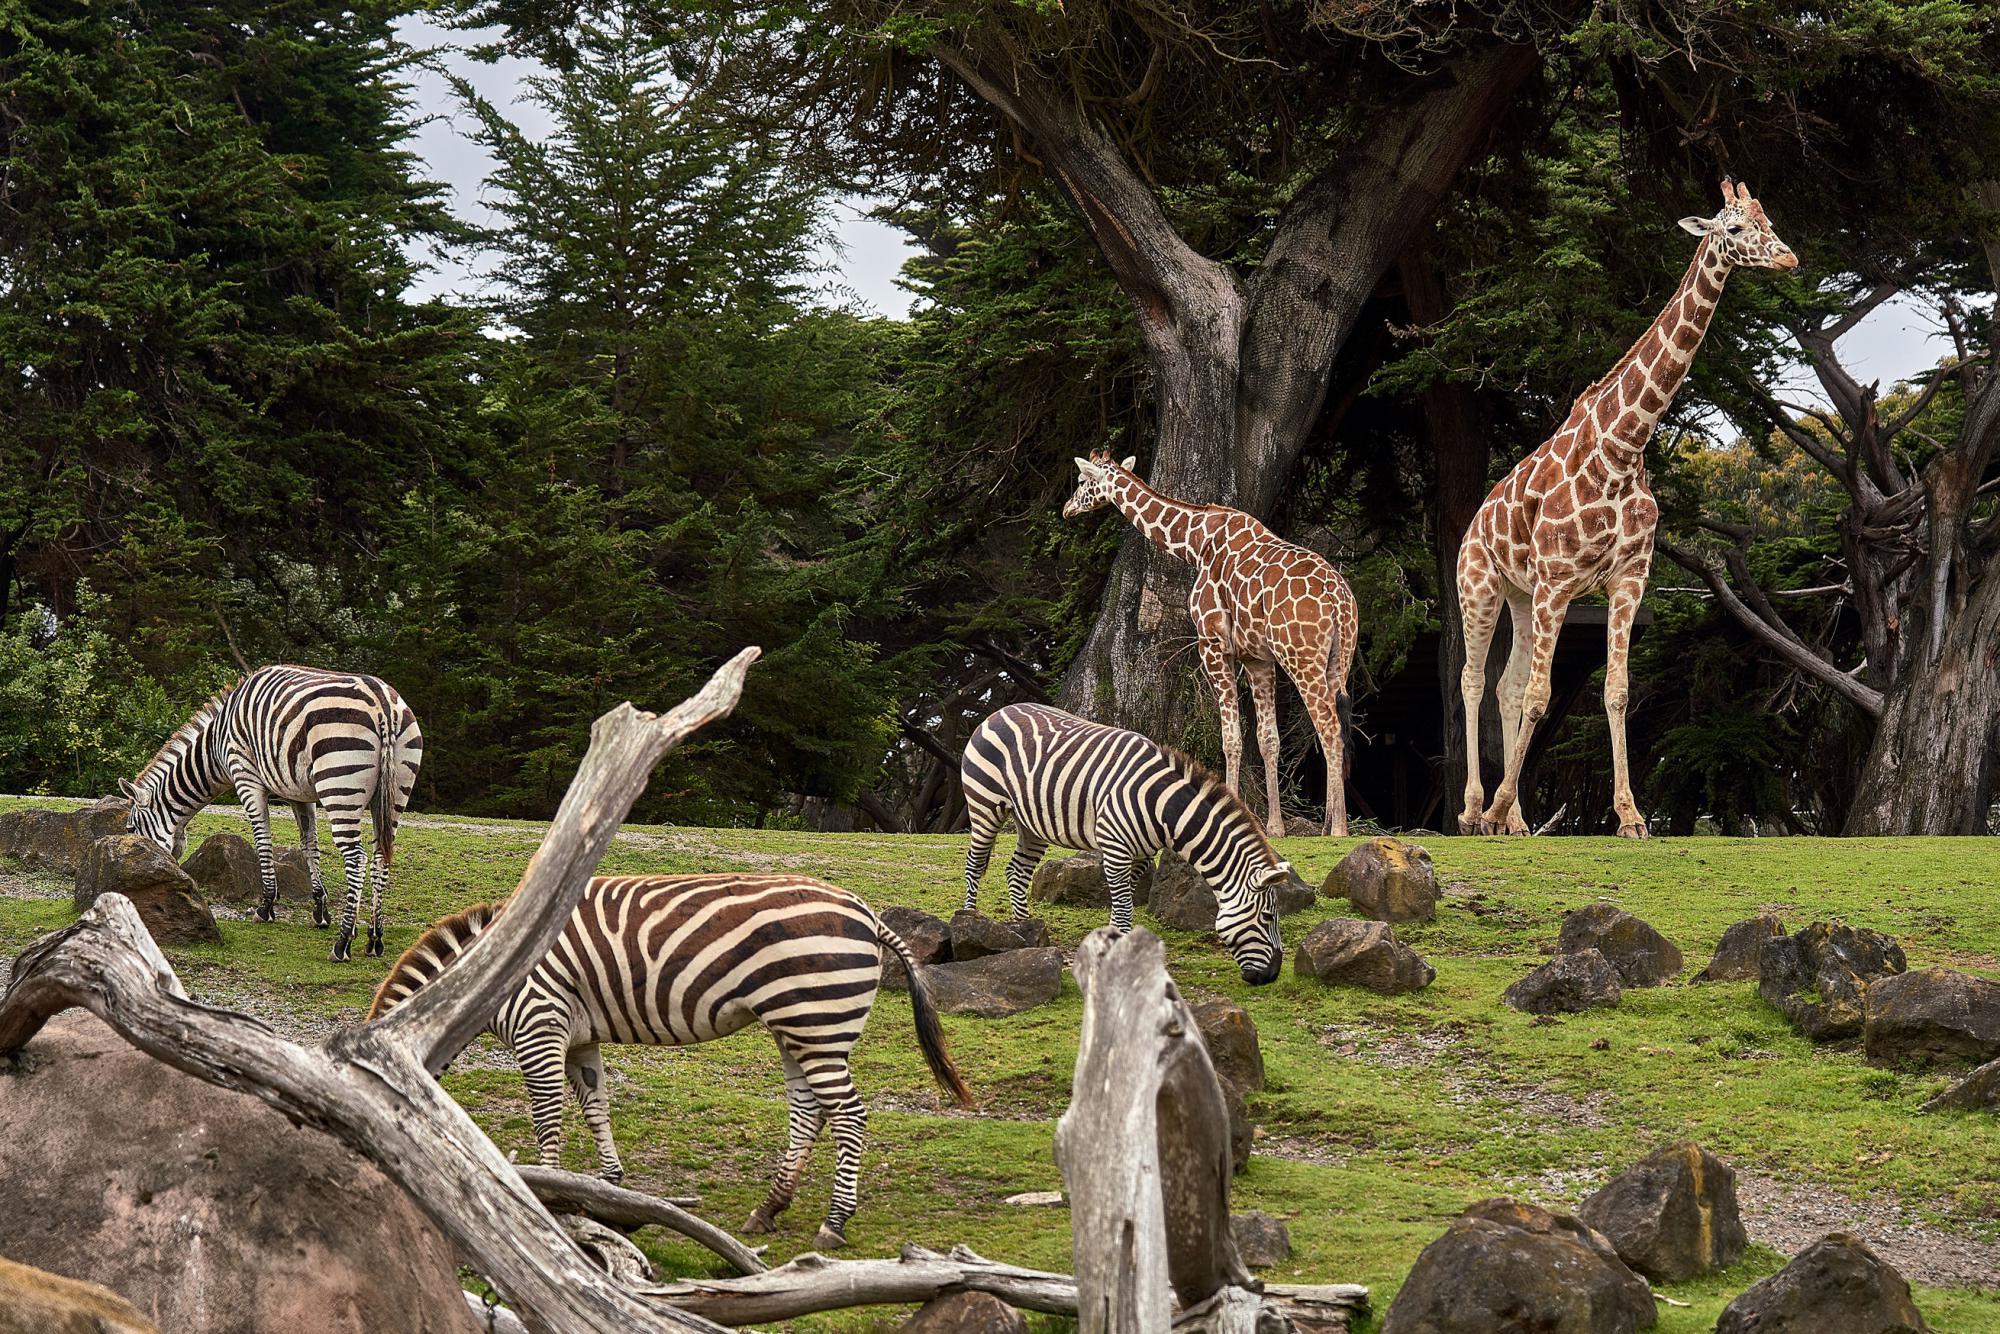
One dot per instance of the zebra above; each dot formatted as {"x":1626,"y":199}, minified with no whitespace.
{"x":342,"y":741}
{"x":1081,"y":784}
{"x":673,"y":960}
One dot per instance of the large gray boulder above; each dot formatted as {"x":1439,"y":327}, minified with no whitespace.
{"x":1231,"y":1038}
{"x":1834,"y":1286}
{"x":1742,"y":946}
{"x":1818,"y":978}
{"x":974,"y":935}
{"x":1978,"y":1091}
{"x":1079,"y":882}
{"x":208,"y":1211}
{"x":996,"y":985}
{"x":57,"y":840}
{"x":1505,"y":1267}
{"x":1181,"y":898}
{"x":1934,"y":1016}
{"x":167,"y":900}
{"x":928,"y":937}
{"x":1261,"y":1239}
{"x":1567,"y":984}
{"x":965,"y":1313}
{"x":224,"y":869}
{"x":1386,"y":880}
{"x":1642,"y":956}
{"x":1672,"y":1216}
{"x":1346,"y":952}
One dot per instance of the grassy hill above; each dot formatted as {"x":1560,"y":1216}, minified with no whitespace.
{"x":1383,"y":1117}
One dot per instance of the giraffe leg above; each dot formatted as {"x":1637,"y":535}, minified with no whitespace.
{"x":1322,"y":700}
{"x":1264,"y":697}
{"x":1512,"y":689}
{"x":1479,"y":611}
{"x":1222,"y":679}
{"x":1625,"y":595}
{"x":1503,"y":815}
{"x":302,"y":812}
{"x":586,"y":1081}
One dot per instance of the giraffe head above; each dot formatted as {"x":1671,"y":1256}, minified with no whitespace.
{"x":1742,"y":232}
{"x":1093,"y":487}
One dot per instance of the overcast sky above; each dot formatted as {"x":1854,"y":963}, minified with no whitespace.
{"x":1896,"y":341}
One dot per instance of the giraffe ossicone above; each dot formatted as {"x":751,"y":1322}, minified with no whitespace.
{"x":1576,"y":516}
{"x":1258,"y":602}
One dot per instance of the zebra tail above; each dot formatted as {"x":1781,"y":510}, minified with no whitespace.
{"x":388,"y":754}
{"x":930,"y":1035}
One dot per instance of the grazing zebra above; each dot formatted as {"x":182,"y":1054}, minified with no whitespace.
{"x":1083,"y":785}
{"x":672,"y":960}
{"x":346,"y":742}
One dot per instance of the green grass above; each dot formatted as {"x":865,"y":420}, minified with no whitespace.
{"x":1394,"y":1113}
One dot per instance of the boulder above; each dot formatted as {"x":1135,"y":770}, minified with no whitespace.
{"x":974,"y":936}
{"x":928,"y":937}
{"x":1567,"y":984}
{"x":1231,"y":1039}
{"x":1934,"y":1016}
{"x":1261,"y":1239}
{"x":1818,"y":978}
{"x":1834,"y":1286}
{"x":1294,"y":897}
{"x":1344,"y":952}
{"x":168,"y":902}
{"x":224,"y":868}
{"x":1079,"y":882}
{"x":965,"y":1313}
{"x":100,"y":819}
{"x":1642,"y":956}
{"x":1671,"y":1216}
{"x":996,"y":985}
{"x":1742,"y":946}
{"x":1504,"y":1267}
{"x":34,"y":1301}
{"x":1181,"y":898}
{"x":1242,"y":1129}
{"x":1978,"y":1091}
{"x":39,"y":840}
{"x":1387,"y":880}
{"x":204,"y":1208}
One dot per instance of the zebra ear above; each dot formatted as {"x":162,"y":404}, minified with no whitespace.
{"x":132,"y":791}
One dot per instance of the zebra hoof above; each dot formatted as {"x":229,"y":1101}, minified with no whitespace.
{"x":374,"y":944}
{"x":342,"y":951}
{"x":614,"y":1173}
{"x":265,"y":913}
{"x":826,"y":1239}
{"x":759,"y":1222}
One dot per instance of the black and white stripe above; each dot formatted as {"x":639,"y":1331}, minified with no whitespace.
{"x":344,"y":742}
{"x":1079,"y":784}
{"x":675,"y":960}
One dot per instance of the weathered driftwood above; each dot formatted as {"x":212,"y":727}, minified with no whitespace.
{"x":573,"y":1193}
{"x":812,"y":1283}
{"x":371,"y":1087}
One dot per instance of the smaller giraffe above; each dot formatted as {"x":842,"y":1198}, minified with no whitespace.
{"x":1576,"y":516}
{"x":1257,"y":601}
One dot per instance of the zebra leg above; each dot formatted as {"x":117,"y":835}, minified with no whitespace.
{"x":1117,"y":864}
{"x":257,"y":804}
{"x":1028,"y":850}
{"x":541,"y":1055}
{"x":347,"y":840}
{"x":977,"y":854}
{"x":378,"y":876}
{"x":850,"y":1129}
{"x":803,"y":1121}
{"x":302,"y":811}
{"x":586,"y":1080}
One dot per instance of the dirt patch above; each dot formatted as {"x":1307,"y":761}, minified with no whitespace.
{"x":36,"y":885}
{"x":1789,"y":1216}
{"x":1470,"y":1077}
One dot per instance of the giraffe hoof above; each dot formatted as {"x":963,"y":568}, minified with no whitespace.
{"x":826,"y":1239}
{"x":1635,"y":830}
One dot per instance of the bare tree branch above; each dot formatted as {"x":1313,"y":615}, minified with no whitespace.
{"x":573,"y":1193}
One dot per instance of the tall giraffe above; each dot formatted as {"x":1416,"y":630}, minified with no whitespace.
{"x":1258,"y":601}
{"x":1576,"y":517}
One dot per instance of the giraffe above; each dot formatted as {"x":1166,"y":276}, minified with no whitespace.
{"x":1576,"y":517}
{"x":1257,"y":601}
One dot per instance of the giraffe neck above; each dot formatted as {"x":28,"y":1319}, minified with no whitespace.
{"x":1171,"y":525}
{"x":1630,"y":401}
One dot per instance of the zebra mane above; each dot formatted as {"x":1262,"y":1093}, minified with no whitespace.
{"x":439,"y":946}
{"x":185,"y":736}
{"x":1209,"y":780}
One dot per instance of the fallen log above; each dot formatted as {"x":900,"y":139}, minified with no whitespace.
{"x":812,"y":1282}
{"x":573,"y":1193}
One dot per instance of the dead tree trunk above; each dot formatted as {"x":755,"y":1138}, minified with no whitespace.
{"x":373,"y":1088}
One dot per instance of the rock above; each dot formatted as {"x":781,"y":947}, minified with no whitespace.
{"x":1242,"y":1130}
{"x":1231,"y":1039}
{"x":1742,"y":945}
{"x":100,"y":819}
{"x":1978,"y":1091}
{"x":1819,"y":977}
{"x":1566,"y":984}
{"x":965,"y":1313}
{"x":1642,"y":956}
{"x":168,"y":902}
{"x":1344,"y":952}
{"x":1934,"y":1016}
{"x":974,"y":936}
{"x":996,"y":985}
{"x":34,"y":1301}
{"x":1504,"y":1267}
{"x":1292,"y":897}
{"x":204,"y":1208}
{"x":224,"y":869}
{"x":1387,"y":880}
{"x":928,"y":937}
{"x":1834,"y":1286}
{"x":39,"y":840}
{"x":1671,"y":1216}
{"x":1260,"y":1239}
{"x":1079,"y":881}
{"x":1035,"y":1197}
{"x":1181,"y":898}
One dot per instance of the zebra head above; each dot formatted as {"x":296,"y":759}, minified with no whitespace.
{"x":1246,"y":917}
{"x":151,"y":820}
{"x":1093,"y":484}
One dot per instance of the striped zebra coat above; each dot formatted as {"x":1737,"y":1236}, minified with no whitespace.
{"x":1079,"y":784}
{"x":343,"y":742}
{"x":673,"y":960}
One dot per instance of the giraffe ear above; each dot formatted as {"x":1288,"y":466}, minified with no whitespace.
{"x":1131,"y":462}
{"x":1083,"y":465}
{"x":1699,"y":226}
